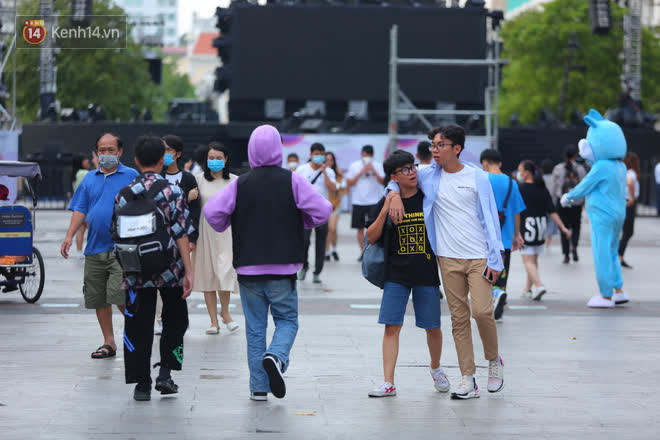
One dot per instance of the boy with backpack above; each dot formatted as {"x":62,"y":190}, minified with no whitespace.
{"x":150,"y":227}
{"x":509,"y":206}
{"x":410,"y":265}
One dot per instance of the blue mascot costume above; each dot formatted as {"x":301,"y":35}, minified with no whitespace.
{"x":605,"y":193}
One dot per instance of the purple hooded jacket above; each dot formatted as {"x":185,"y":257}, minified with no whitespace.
{"x":265,"y":149}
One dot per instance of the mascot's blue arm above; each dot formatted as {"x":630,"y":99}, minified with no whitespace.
{"x":589,"y":183}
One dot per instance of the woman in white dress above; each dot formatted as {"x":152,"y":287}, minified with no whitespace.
{"x":213,"y":272}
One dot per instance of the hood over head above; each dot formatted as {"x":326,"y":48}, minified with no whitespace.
{"x":265,"y":147}
{"x":605,"y":137}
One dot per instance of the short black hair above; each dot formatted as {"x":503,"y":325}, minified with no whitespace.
{"x":120,"y":143}
{"x":491,"y":156}
{"x":455,"y":133}
{"x":399,"y":158}
{"x":149,"y":150}
{"x":424,"y":150}
{"x":369,"y":149}
{"x":174,"y":142}
{"x":317,"y":146}
{"x":294,"y":155}
{"x":205,"y":166}
{"x":570,"y":151}
{"x":547,"y":165}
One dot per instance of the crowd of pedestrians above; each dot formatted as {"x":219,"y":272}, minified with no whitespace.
{"x":157,"y":235}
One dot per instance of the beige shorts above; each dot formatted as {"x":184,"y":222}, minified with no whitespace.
{"x":102,"y":281}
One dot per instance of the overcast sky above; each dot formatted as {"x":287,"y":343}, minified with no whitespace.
{"x":205,"y":8}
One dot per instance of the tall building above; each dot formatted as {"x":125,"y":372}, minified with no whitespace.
{"x":154,"y":22}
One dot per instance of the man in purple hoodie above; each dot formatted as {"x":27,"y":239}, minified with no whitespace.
{"x":268,"y":209}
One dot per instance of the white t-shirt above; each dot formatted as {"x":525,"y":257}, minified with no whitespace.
{"x":657,"y":173}
{"x":459,"y":233}
{"x":174,"y":179}
{"x":366,"y":191}
{"x":631,"y":174}
{"x":309,"y":173}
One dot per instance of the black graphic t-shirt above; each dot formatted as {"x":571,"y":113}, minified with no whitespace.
{"x":533,"y":220}
{"x":410,"y":259}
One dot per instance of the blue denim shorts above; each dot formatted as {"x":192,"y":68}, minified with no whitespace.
{"x":426,"y":302}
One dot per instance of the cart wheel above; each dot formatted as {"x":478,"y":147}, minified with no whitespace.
{"x":33,"y":285}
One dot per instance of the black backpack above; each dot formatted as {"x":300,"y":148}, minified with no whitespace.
{"x":139,"y":230}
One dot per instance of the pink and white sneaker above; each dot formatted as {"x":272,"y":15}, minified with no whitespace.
{"x":440,"y":381}
{"x":384,"y":390}
{"x":495,"y":375}
{"x":467,"y":389}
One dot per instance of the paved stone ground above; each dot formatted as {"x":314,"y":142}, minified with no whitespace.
{"x":570,"y":372}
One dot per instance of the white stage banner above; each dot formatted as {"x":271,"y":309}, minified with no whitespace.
{"x":8,"y":151}
{"x":347,"y":147}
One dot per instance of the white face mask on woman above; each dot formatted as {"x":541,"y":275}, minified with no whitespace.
{"x":366,"y":160}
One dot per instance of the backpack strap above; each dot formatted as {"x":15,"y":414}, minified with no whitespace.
{"x":508,"y":194}
{"x":155,"y":188}
{"x":317,"y":177}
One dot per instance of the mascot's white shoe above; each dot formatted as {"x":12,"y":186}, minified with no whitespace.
{"x":620,"y":298}
{"x":600,"y":302}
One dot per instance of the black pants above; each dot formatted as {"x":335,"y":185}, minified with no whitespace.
{"x":572,"y":218}
{"x":628,"y":228}
{"x":139,"y":331}
{"x":321,"y":235}
{"x":504,"y":276}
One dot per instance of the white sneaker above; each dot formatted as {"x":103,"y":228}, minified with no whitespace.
{"x":495,"y":375}
{"x":467,"y":389}
{"x":259,"y":397}
{"x":526,"y":294}
{"x":159,"y":328}
{"x":620,"y":298}
{"x":440,"y":381}
{"x":384,"y":390}
{"x":597,"y":301}
{"x":538,"y":292}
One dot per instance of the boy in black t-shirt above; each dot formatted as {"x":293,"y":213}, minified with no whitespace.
{"x":410,"y":265}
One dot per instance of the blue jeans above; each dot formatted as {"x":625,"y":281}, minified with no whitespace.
{"x":282,"y":298}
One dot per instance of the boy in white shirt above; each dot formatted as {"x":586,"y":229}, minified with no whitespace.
{"x":323,"y":179}
{"x":365,"y":180}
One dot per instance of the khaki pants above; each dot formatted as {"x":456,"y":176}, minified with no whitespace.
{"x":459,"y":277}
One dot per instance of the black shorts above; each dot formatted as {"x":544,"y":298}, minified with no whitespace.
{"x":360,"y":216}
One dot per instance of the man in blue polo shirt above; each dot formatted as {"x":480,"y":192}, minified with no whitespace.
{"x":94,"y":201}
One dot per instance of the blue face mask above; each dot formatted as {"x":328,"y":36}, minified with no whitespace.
{"x":169,"y":159}
{"x":215,"y":165}
{"x":319,"y":158}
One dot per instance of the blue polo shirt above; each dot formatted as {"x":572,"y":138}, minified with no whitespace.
{"x":95,"y":197}
{"x":516,"y":205}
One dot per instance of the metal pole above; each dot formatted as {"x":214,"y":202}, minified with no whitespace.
{"x":487,"y":103}
{"x":496,"y":94}
{"x":394,"y":95}
{"x":13,"y":87}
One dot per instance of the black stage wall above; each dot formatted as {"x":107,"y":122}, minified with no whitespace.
{"x":53,"y":145}
{"x":342,"y":52}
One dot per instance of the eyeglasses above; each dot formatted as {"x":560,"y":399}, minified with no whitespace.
{"x":407,"y":170}
{"x":438,"y":146}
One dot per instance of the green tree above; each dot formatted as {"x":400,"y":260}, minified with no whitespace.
{"x":536,"y":43}
{"x":113,"y":78}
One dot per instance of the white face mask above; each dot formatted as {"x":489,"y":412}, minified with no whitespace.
{"x":366,"y":160}
{"x":520,"y":178}
{"x":292,"y":165}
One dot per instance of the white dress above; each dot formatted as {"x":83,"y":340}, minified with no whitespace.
{"x":212,"y":258}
